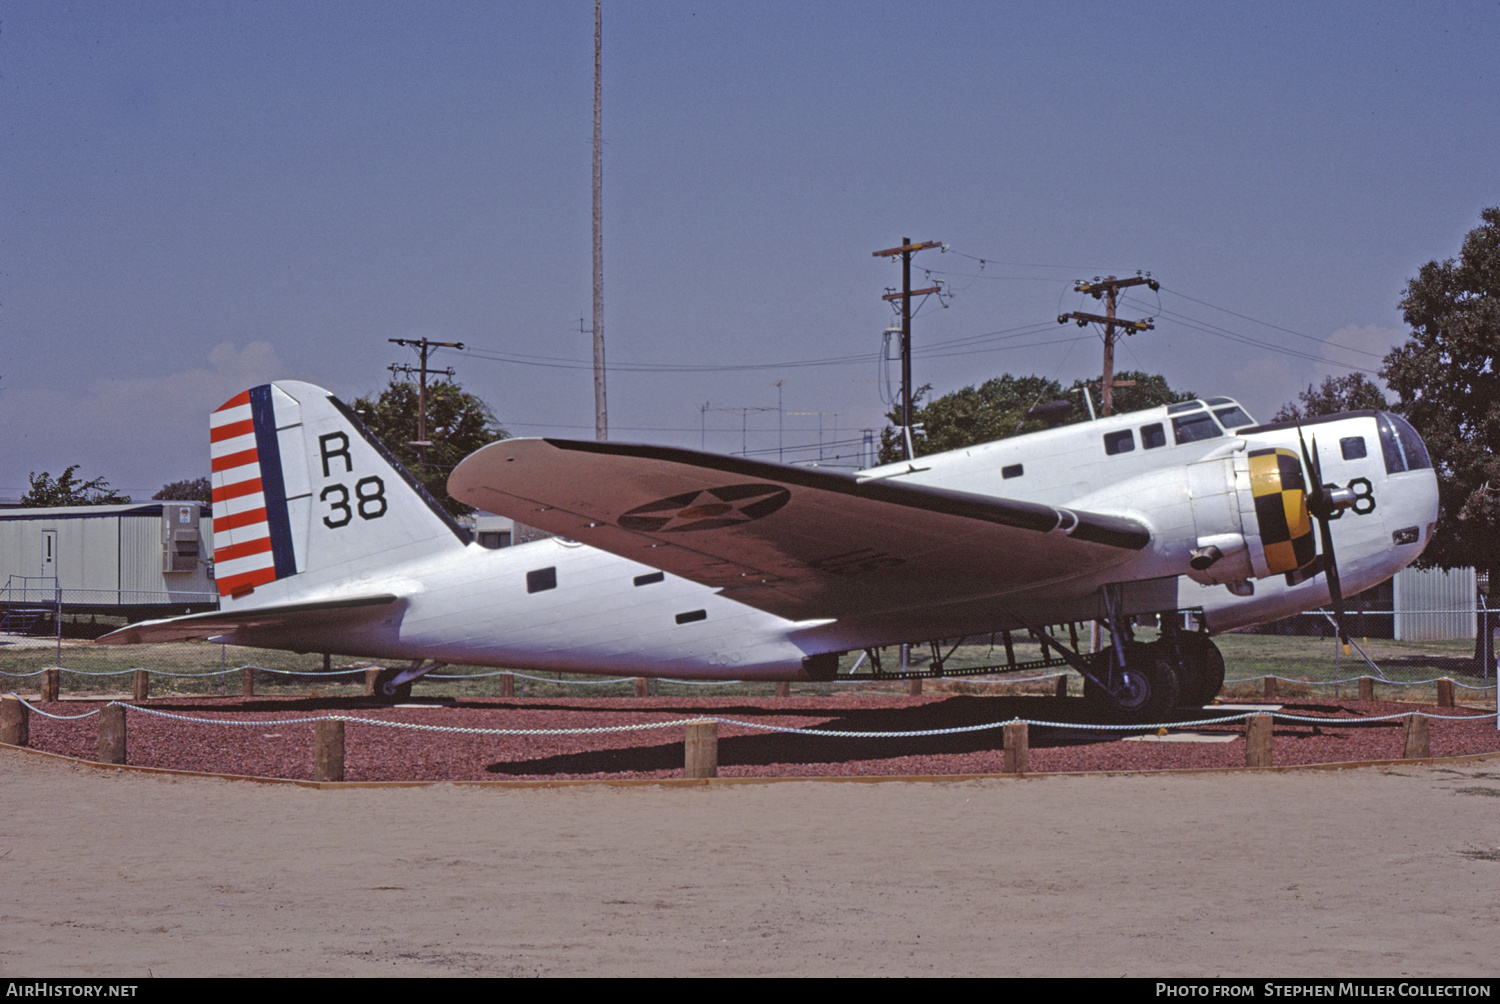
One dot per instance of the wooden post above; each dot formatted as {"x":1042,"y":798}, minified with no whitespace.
{"x":1445,"y":693}
{"x":914,"y":687}
{"x":51,"y":683}
{"x":1366,"y":688}
{"x":701,"y":750}
{"x":371,"y":675}
{"x":247,"y":683}
{"x":507,"y":685}
{"x":328,"y":751}
{"x":642,"y":687}
{"x":1414,"y":738}
{"x":783,"y":688}
{"x":140,"y":684}
{"x":1270,"y":682}
{"x":112,"y":733}
{"x":1258,"y":741}
{"x":1017,"y":747}
{"x":328,"y":662}
{"x":15,"y":721}
{"x":1062,"y":685}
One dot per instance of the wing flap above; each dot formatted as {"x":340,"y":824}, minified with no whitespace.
{"x":794,"y":541}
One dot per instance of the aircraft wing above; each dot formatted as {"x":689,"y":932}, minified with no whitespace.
{"x":288,"y":617}
{"x":797,"y":542}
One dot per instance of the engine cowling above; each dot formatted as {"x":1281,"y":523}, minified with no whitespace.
{"x":1251,"y":517}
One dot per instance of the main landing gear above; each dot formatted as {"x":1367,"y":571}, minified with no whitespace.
{"x":1181,"y":670}
{"x":1134,"y":681}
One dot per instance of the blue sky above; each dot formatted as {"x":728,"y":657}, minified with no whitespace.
{"x":196,"y":197}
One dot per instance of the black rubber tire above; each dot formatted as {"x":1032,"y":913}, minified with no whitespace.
{"x":1153,"y":689}
{"x":1202,"y":672}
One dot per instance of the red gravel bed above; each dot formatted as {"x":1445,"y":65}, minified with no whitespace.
{"x":269,"y":749}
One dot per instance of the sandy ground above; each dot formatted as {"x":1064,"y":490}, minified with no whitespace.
{"x":1318,"y":873}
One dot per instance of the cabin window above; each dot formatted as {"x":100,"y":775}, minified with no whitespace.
{"x":1119,"y":442}
{"x":1195,"y":428}
{"x":1152,"y":436}
{"x":1013,"y":471}
{"x":1352,"y":447}
{"x":542,"y":578}
{"x":650,"y":577}
{"x":692,"y":615}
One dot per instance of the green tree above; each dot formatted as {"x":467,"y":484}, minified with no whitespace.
{"x":195,"y":490}
{"x":1447,"y":379}
{"x":458,"y":423}
{"x":1336,"y":394}
{"x":997,"y":409}
{"x":65,"y":489}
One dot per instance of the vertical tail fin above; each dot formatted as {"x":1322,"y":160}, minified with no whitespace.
{"x":305,"y":497}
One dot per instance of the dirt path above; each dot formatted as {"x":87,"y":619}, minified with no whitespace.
{"x":1322,"y":873}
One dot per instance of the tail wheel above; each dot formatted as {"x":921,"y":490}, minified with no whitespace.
{"x":1149,"y":688}
{"x":1202,"y":672}
{"x":385,"y":689}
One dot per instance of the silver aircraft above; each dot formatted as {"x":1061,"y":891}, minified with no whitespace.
{"x":678,"y":563}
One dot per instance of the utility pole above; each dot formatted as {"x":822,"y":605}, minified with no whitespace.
{"x":1109,"y":289}
{"x":905,"y":251}
{"x":601,"y":420}
{"x":424,"y":348}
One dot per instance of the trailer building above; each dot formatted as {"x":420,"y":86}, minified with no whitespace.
{"x":146,"y":560}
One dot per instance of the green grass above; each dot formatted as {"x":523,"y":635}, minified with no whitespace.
{"x":1310,"y":660}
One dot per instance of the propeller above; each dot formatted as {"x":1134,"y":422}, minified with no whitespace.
{"x":1323,"y":506}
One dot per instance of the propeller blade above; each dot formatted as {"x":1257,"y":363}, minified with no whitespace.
{"x":1320,"y":505}
{"x":1317,"y":498}
{"x":1335,"y":589}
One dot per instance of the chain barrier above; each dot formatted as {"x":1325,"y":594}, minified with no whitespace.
{"x":764,"y":726}
{"x":1354,"y":679}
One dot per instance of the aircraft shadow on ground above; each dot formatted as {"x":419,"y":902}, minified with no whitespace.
{"x":778,"y":747}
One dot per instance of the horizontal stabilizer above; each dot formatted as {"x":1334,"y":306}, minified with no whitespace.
{"x":288,"y":617}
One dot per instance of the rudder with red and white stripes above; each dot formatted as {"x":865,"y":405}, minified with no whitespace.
{"x":252,"y":534}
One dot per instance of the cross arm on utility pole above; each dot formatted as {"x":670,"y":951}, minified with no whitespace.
{"x":915,"y":292}
{"x":906,"y":248}
{"x":1099,"y":287}
{"x":1085,"y":319}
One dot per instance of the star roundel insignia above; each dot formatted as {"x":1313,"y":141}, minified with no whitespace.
{"x":706,"y":509}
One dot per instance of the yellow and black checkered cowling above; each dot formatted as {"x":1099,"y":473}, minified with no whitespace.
{"x":1280,"y":493}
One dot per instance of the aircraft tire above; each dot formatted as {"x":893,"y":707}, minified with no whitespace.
{"x":1202,"y":670}
{"x":385,"y":692}
{"x":1152,"y":691}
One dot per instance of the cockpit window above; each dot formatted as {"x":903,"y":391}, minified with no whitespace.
{"x":1233,"y":417}
{"x":1193,"y":428}
{"x":1400,"y":445}
{"x":1182,"y":406}
{"x":1411,"y":444}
